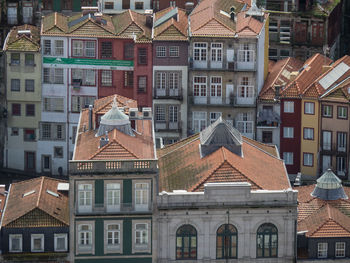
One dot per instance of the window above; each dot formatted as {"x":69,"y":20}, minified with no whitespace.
{"x":29,"y":135}
{"x":29,"y":59}
{"x":327,"y":111}
{"x":245,"y":123}
{"x":113,"y":235}
{"x":339,"y":249}
{"x":47,"y":47}
{"x":30,"y":109}
{"x":326,"y":140}
{"x":174,"y":79}
{"x":53,"y":104}
{"x":308,"y":159}
{"x":52,"y":131}
{"x":174,"y":51}
{"x":29,"y":85}
{"x":109,"y":5}
{"x":322,"y":250}
{"x":141,"y":84}
{"x":245,"y":89}
{"x":106,"y":78}
{"x":85,"y":77}
{"x":141,"y":234}
{"x":113,"y":197}
{"x":141,"y":196}
{"x":15,"y":242}
{"x":14,"y":131}
{"x":289,"y":106}
{"x":138,"y":5}
{"x":200,"y":86}
{"x":308,"y":133}
{"x":16,"y":109}
{"x":37,"y":242}
{"x":226,"y":242}
{"x":267,"y":240}
{"x":246,"y":53}
{"x":216,"y":52}
{"x":267,"y":136}
{"x":186,"y":242}
{"x":341,"y":141}
{"x":161,"y":51}
{"x":341,"y":166}
{"x":142,"y":56}
{"x":160,"y":113}
{"x":309,"y":108}
{"x":46,"y":163}
{"x":288,"y":132}
{"x":85,"y":236}
{"x":85,"y":197}
{"x":59,"y":47}
{"x":106,"y":47}
{"x":342,"y":112}
{"x":15,"y":59}
{"x":284,"y":53}
{"x":27,"y":13}
{"x":53,"y":75}
{"x":200,"y":51}
{"x":61,"y":241}
{"x":173,"y":3}
{"x":173,"y":112}
{"x":214,"y":116}
{"x":215,"y":87}
{"x":288,"y":158}
{"x":199,"y":121}
{"x":58,"y":152}
{"x":128,"y":51}
{"x":15,"y":85}
{"x":84,"y":48}
{"x":161,"y":80}
{"x":74,"y":134}
{"x":128,"y":79}
{"x":12,"y":13}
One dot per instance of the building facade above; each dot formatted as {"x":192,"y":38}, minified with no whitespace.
{"x":113,"y":182}
{"x":118,"y":6}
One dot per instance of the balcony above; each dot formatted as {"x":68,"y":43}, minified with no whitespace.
{"x":333,"y":149}
{"x":167,"y":93}
{"x":113,"y":166}
{"x":268,"y":118}
{"x":167,"y":126}
{"x":123,"y":208}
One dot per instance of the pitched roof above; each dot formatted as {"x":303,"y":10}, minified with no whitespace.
{"x":323,"y":218}
{"x":183,"y":167}
{"x":33,"y":194}
{"x":120,"y":145}
{"x":103,"y":105}
{"x":212,"y":18}
{"x":23,"y":42}
{"x":171,"y":29}
{"x":339,"y":92}
{"x":279,"y":75}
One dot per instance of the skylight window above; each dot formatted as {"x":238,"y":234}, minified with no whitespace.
{"x":28,"y":193}
{"x":334,"y":75}
{"x":52,"y":193}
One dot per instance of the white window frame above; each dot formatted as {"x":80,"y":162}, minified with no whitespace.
{"x":161,"y":51}
{"x":142,"y":195}
{"x":341,"y":165}
{"x":200,"y":51}
{"x":216,"y":89}
{"x":327,"y":113}
{"x":200,"y":83}
{"x":245,"y":123}
{"x":174,"y":51}
{"x":288,"y":132}
{"x":288,"y":158}
{"x":216,"y":52}
{"x":42,"y":245}
{"x":88,"y":245}
{"x":246,"y":52}
{"x":308,"y":159}
{"x":173,"y":113}
{"x":59,"y":49}
{"x":342,"y":141}
{"x":160,"y":113}
{"x":322,"y":250}
{"x":53,"y":76}
{"x":340,"y":248}
{"x":289,"y":106}
{"x":47,"y":47}
{"x":11,"y":238}
{"x":115,"y":247}
{"x":53,"y":104}
{"x":214,"y":116}
{"x":309,"y":108}
{"x":308,"y":133}
{"x":61,"y":235}
{"x":113,"y":202}
{"x":326,"y":140}
{"x":342,"y":112}
{"x":85,"y":201}
{"x":146,"y":246}
{"x":199,"y":121}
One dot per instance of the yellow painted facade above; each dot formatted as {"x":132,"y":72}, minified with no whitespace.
{"x":310,"y":121}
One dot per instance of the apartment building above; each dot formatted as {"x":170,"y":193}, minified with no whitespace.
{"x":118,"y":6}
{"x":113,"y":184}
{"x":66,"y":6}
{"x":23,"y":94}
{"x":170,"y":68}
{"x":163,"y":4}
{"x":228,"y":64}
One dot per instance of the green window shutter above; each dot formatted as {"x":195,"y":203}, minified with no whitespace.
{"x":127,"y":237}
{"x":76,"y":5}
{"x":57,"y":5}
{"x":127,"y":191}
{"x":99,"y":237}
{"x":99,"y":191}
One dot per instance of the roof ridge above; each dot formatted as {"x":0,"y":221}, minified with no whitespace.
{"x":251,"y":144}
{"x":171,"y":145}
{"x":40,"y":191}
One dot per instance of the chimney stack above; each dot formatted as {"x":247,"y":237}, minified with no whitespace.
{"x":189,"y":7}
{"x":90,"y":118}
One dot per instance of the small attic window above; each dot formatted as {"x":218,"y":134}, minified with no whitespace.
{"x":28,"y":193}
{"x":52,"y":193}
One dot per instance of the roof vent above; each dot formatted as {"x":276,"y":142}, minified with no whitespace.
{"x":28,"y":193}
{"x":24,"y":32}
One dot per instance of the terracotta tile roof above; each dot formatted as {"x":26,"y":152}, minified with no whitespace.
{"x":23,"y":42}
{"x":311,"y":70}
{"x":247,"y":25}
{"x":279,"y":74}
{"x":120,"y":146}
{"x":101,"y":106}
{"x":172,"y":29}
{"x":338,"y":93}
{"x":19,"y":205}
{"x":323,"y":218}
{"x":181,"y":167}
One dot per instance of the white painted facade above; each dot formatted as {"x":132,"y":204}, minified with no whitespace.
{"x":223,"y":203}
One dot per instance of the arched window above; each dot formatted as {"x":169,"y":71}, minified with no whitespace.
{"x":186,"y":242}
{"x":226,"y":242}
{"x":267,"y":240}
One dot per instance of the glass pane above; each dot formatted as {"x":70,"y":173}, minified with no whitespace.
{"x":61,"y":243}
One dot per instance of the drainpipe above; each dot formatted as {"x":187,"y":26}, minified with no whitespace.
{"x":67,"y":114}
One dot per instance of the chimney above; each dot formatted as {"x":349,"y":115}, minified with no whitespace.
{"x":293,"y":75}
{"x":90,"y":118}
{"x":189,"y":7}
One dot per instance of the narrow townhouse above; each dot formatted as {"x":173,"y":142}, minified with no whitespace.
{"x":23,"y":95}
{"x":170,"y":68}
{"x":113,"y":184}
{"x":227,"y":64}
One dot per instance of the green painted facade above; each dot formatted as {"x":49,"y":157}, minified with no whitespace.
{"x":99,"y":192}
{"x":127,"y":186}
{"x":76,"y":5}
